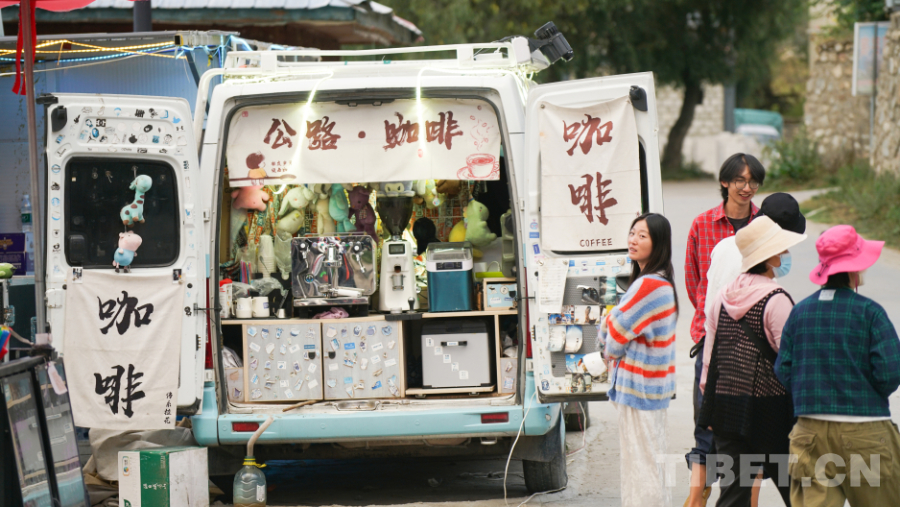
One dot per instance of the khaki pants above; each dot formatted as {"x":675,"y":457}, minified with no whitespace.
{"x":837,"y":462}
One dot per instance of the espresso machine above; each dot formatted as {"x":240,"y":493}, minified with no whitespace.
{"x":332,"y":270}
{"x":397,"y":292}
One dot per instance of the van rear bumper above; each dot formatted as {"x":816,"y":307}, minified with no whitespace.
{"x":212,"y":428}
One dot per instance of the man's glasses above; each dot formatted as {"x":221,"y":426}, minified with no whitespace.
{"x":739,"y":184}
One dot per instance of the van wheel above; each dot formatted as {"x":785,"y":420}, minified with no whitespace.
{"x":548,"y":475}
{"x":578,"y":420}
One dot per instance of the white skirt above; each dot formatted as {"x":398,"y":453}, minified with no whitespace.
{"x":642,"y":439}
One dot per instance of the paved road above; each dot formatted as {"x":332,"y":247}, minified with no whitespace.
{"x":593,"y":471}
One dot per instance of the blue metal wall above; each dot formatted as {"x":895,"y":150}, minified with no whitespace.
{"x":143,"y":75}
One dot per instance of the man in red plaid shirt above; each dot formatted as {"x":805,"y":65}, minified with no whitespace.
{"x":740,"y":177}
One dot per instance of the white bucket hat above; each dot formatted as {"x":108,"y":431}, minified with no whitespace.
{"x":762,"y":239}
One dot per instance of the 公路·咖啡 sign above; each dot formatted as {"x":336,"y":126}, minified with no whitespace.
{"x":335,"y":143}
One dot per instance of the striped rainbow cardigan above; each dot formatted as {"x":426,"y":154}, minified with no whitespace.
{"x":641,"y":335}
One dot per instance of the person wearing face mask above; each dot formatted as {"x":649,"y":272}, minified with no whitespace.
{"x":725,"y":267}
{"x":749,"y":411}
{"x":840,"y":360}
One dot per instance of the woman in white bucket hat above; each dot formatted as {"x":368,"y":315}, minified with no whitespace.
{"x":750,"y":412}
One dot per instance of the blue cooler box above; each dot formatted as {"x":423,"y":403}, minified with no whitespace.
{"x":449,"y":267}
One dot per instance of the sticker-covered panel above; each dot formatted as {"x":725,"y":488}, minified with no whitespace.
{"x":283,"y":362}
{"x":565,"y":335}
{"x":362,"y":359}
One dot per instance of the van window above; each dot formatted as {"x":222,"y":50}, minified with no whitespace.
{"x":97,"y":190}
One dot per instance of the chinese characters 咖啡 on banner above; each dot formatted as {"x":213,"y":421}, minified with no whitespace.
{"x":590,"y":176}
{"x":122,"y":355}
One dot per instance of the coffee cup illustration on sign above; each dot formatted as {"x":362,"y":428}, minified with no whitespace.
{"x":480,"y":166}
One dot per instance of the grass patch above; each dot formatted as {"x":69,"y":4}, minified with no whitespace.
{"x":688,"y":171}
{"x":868,"y":201}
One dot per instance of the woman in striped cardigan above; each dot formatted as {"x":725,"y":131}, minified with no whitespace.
{"x":640,"y":343}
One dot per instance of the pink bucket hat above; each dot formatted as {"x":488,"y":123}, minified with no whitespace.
{"x":842,"y":250}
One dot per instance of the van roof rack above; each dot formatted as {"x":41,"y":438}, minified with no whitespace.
{"x":511,"y":55}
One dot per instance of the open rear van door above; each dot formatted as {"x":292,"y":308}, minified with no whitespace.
{"x":117,"y":166}
{"x":592,"y":167}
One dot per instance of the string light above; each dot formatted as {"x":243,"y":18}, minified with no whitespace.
{"x":169,"y":47}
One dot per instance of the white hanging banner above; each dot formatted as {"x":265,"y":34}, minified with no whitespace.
{"x":336,"y":143}
{"x":590,"y":176}
{"x":122,"y":363}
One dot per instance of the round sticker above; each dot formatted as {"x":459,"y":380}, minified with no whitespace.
{"x":55,"y":201}
{"x":55,"y":168}
{"x":371,"y":331}
{"x":357,"y":330}
{"x":56,"y":215}
{"x":386,"y":330}
{"x":136,"y":127}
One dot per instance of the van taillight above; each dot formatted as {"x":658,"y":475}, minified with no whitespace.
{"x":497,"y":417}
{"x":209,"y":361}
{"x":244,"y":426}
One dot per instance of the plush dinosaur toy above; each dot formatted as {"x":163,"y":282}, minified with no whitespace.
{"x":134,"y":212}
{"x":362,"y":210}
{"x":477,"y":231}
{"x":339,"y":209}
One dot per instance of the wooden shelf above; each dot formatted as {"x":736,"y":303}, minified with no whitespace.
{"x":287,"y":322}
{"x":418,"y":391}
{"x":485,"y":313}
{"x":375,"y":316}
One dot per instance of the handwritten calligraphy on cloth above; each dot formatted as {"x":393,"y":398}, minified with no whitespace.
{"x":335,"y":143}
{"x":590,"y":175}
{"x":122,"y":356}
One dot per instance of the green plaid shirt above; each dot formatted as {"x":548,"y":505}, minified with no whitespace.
{"x":839,"y":357}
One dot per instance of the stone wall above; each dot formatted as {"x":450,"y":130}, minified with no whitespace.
{"x":838,"y":120}
{"x":709,"y":117}
{"x":886,"y":152}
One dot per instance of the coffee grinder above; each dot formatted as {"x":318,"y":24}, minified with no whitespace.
{"x":397,"y":290}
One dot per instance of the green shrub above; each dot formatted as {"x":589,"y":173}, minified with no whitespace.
{"x":795,"y":159}
{"x":873,"y":197}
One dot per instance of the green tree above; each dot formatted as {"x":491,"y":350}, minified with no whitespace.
{"x":684,"y":42}
{"x":849,"y":12}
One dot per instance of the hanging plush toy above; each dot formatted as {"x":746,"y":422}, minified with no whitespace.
{"x":430,"y":195}
{"x":134,"y":212}
{"x":249,"y":198}
{"x":477,"y":231}
{"x":297,"y":198}
{"x":324,"y":222}
{"x":290,"y":223}
{"x":124,"y":255}
{"x":339,"y":209}
{"x":362,"y":210}
{"x":7,"y":270}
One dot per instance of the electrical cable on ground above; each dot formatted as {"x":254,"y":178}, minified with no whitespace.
{"x":583,"y":434}
{"x":513,"y":448}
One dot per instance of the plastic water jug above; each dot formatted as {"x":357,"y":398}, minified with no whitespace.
{"x":250,"y":485}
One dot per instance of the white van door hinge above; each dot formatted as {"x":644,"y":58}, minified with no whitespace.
{"x":207,"y":216}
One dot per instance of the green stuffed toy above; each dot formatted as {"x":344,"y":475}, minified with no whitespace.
{"x":477,"y":231}
{"x":7,"y":270}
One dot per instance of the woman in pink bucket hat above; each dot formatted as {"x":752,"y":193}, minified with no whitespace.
{"x":840,"y":360}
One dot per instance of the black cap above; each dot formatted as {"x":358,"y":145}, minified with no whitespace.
{"x":783,"y":209}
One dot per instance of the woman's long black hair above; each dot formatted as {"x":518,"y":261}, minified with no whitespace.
{"x":660,"y":261}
